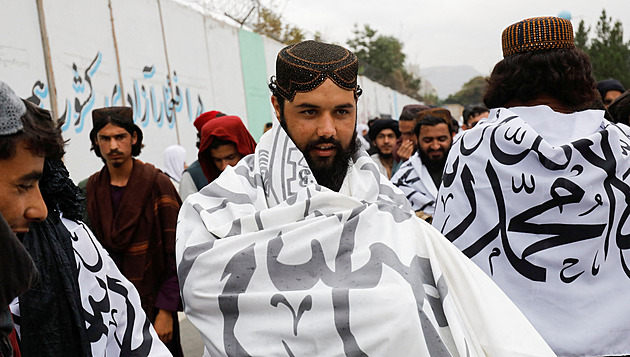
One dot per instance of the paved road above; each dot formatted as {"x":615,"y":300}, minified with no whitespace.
{"x":191,"y":341}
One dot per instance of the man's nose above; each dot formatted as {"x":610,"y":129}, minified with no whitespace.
{"x":36,"y":210}
{"x":326,"y":127}
{"x":222,"y":165}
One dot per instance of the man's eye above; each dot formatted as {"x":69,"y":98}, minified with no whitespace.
{"x":308,"y":112}
{"x":343,"y":111}
{"x":25,"y":187}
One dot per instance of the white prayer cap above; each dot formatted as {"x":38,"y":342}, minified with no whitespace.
{"x":12,"y":109}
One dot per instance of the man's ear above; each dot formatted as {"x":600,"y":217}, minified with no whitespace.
{"x":276,"y":106}
{"x":134,"y":138}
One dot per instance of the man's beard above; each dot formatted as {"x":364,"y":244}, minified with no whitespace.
{"x":434,"y":165}
{"x":383,"y":156}
{"x":330,"y":175}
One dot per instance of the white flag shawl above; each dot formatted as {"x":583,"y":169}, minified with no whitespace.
{"x":540,"y":201}
{"x":272,"y":264}
{"x":415,"y":181}
{"x":115,"y":323}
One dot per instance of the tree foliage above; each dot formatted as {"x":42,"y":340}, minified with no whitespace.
{"x":381,"y":59}
{"x":471,"y":92}
{"x":609,"y":54}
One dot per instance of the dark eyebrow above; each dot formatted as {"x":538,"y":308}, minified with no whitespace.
{"x":33,"y":175}
{"x":343,"y":106}
{"x":307,"y":105}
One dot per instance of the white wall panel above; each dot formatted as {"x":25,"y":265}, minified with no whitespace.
{"x":22,"y":63}
{"x":86,"y":75}
{"x":188,"y":58}
{"x":225,"y":69}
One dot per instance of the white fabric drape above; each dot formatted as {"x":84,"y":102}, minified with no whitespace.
{"x":270,"y":263}
{"x":115,"y":322}
{"x":540,"y":201}
{"x":416,"y":183}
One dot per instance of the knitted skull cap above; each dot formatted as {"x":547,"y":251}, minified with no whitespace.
{"x":304,"y":66}
{"x":537,"y":34}
{"x":12,"y":109}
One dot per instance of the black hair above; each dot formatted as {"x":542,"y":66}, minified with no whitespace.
{"x":432,"y":121}
{"x":129,"y":126}
{"x":564,"y":74}
{"x":40,"y":134}
{"x":472,"y":111}
{"x":216,"y":142}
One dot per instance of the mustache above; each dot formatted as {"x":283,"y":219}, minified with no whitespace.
{"x":312,"y":144}
{"x":438,"y":150}
{"x":114,"y":152}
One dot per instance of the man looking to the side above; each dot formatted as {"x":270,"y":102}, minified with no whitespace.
{"x":420,"y":177}
{"x":383,"y":134}
{"x":25,"y":141}
{"x":473,"y":114}
{"x":133,"y":207}
{"x":301,"y":247}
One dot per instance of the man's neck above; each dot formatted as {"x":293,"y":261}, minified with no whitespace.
{"x":543,"y":99}
{"x":119,"y":176}
{"x":388,"y":162}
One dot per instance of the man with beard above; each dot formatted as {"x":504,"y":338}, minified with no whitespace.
{"x":420,"y":176}
{"x":133,"y":207}
{"x":383,"y":135}
{"x":537,"y":194}
{"x":285,"y":253}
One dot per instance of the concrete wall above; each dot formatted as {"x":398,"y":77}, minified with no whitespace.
{"x":167,"y":61}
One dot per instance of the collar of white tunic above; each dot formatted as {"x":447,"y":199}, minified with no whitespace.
{"x":555,"y":128}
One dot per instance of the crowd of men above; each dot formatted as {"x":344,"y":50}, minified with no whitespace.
{"x":503,"y":234}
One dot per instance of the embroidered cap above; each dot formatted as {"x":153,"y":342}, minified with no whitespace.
{"x":12,"y":109}
{"x":536,"y":34}
{"x":304,"y":66}
{"x":100,"y":115}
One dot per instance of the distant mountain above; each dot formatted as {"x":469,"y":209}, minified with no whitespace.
{"x":448,"y":80}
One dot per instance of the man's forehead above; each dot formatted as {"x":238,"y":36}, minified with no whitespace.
{"x":328,"y":93}
{"x":112,"y":129}
{"x":434,"y":130}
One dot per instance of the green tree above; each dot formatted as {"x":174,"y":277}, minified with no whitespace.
{"x":609,"y":54}
{"x":581,"y":36}
{"x":381,"y":59}
{"x":268,"y":23}
{"x":292,"y":35}
{"x":471,"y":92}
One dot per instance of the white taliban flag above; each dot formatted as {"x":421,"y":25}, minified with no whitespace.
{"x":539,"y":200}
{"x":272,"y":264}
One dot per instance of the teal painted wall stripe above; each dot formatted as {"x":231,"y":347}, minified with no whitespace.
{"x":255,"y":81}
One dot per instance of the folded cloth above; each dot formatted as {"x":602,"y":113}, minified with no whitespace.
{"x":271,"y":263}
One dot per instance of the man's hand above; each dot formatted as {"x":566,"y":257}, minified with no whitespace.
{"x":164,"y":325}
{"x":405,"y":150}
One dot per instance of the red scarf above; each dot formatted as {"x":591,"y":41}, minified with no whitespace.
{"x":224,"y":128}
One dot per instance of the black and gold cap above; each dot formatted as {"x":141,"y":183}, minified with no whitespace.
{"x":537,"y":34}
{"x":304,"y":66}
